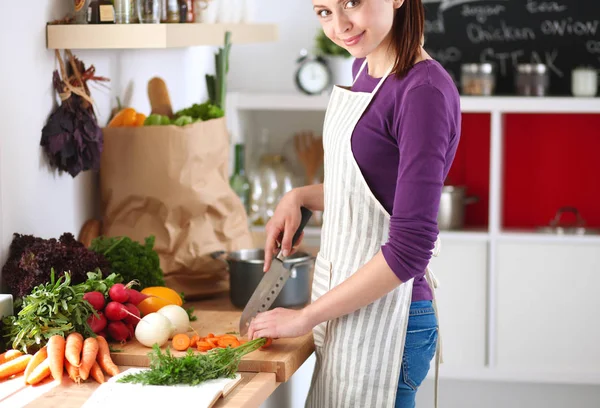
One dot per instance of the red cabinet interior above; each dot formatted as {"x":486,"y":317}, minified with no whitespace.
{"x":550,"y":161}
{"x":471,"y":167}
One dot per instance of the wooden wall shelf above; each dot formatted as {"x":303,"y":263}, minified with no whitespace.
{"x":138,"y":36}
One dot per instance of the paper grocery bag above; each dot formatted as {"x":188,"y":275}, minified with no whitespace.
{"x":172,"y":182}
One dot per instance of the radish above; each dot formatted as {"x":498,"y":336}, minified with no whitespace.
{"x":118,"y":331}
{"x":118,"y":293}
{"x":133,"y":320}
{"x":115,"y":311}
{"x":97,"y":324}
{"x":96,"y":299}
{"x":131,"y":330}
{"x":136,"y":297}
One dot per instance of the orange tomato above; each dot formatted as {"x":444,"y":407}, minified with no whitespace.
{"x":125,"y":117}
{"x":164,"y":293}
{"x":139,"y":119}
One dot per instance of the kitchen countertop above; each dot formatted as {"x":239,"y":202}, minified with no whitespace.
{"x":253,"y":390}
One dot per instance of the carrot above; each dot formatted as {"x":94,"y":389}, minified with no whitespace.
{"x":104,"y":359}
{"x":213,"y":341}
{"x":88,"y":356}
{"x":35,"y":361}
{"x":73,"y":372}
{"x":15,"y":366}
{"x":56,"y":356}
{"x":73,"y":347}
{"x":181,"y":342}
{"x":204,"y":346}
{"x":210,"y":335}
{"x":228,"y":336}
{"x":10,"y":355}
{"x":194,"y":340}
{"x":96,"y":373}
{"x":39,"y":373}
{"x":267,"y":344}
{"x":226,"y":342}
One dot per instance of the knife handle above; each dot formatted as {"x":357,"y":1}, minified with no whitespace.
{"x":306,"y":214}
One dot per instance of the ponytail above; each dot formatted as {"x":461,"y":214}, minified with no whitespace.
{"x":407,"y":35}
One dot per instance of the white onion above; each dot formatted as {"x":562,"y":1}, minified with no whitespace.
{"x":153,"y":328}
{"x":178,"y":317}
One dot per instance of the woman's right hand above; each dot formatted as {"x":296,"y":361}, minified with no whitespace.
{"x":282,"y":226}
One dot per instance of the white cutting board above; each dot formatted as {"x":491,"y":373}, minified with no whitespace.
{"x":114,"y":394}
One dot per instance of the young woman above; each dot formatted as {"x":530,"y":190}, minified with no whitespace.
{"x":389,"y":143}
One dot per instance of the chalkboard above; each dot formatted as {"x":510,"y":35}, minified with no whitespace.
{"x":563,"y":34}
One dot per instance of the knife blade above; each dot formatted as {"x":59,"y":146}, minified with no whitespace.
{"x":272,"y":281}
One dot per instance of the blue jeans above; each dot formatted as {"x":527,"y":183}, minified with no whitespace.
{"x":419,"y":350}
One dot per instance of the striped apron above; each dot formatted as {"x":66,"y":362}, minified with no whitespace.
{"x":358,"y":355}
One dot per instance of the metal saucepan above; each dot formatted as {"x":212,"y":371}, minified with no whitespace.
{"x":246,"y":271}
{"x":559,"y":227}
{"x":451,"y":215}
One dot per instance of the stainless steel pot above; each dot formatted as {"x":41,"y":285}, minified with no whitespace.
{"x":451,"y":215}
{"x":246,"y":271}
{"x":559,"y":227}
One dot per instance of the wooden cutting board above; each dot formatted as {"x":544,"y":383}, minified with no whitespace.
{"x":283,"y":358}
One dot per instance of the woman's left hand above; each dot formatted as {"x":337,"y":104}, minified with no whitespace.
{"x":279,"y":323}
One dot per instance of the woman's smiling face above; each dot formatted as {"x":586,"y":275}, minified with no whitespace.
{"x":359,"y":26}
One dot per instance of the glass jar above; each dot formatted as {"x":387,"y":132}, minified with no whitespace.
{"x":170,"y":11}
{"x":122,"y":11}
{"x":268,"y":184}
{"x":478,"y":79}
{"x":148,"y":11}
{"x":532,"y":80}
{"x":584,"y":82}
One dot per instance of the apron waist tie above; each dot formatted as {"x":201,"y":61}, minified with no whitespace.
{"x":439,"y":359}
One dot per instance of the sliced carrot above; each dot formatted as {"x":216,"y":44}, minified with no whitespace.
{"x":15,"y":366}
{"x":73,"y":348}
{"x":228,"y":342}
{"x":10,"y":355}
{"x":73,"y":372}
{"x":213,"y":341}
{"x":56,"y":356}
{"x":39,"y":373}
{"x":88,"y":356}
{"x":103,"y":358}
{"x":181,"y":342}
{"x":194,"y":340}
{"x":228,"y":336}
{"x":35,"y":361}
{"x":210,"y":335}
{"x":204,"y":346}
{"x":96,"y":373}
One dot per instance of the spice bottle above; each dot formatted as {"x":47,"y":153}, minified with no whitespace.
{"x":532,"y":80}
{"x":101,"y":12}
{"x":122,"y":11}
{"x":170,"y":11}
{"x":478,"y":79}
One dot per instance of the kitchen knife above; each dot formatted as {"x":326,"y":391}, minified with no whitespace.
{"x":271,"y":283}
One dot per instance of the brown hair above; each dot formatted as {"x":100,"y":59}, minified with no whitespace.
{"x":407,"y":34}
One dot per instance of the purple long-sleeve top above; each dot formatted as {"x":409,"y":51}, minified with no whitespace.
{"x":404,"y":145}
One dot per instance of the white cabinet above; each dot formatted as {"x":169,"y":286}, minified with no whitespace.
{"x":461,"y":269}
{"x":548,"y":308}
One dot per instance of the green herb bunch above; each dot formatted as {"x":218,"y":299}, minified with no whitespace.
{"x":51,"y":308}
{"x":131,"y":260}
{"x":326,"y":47}
{"x":193,"y":368}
